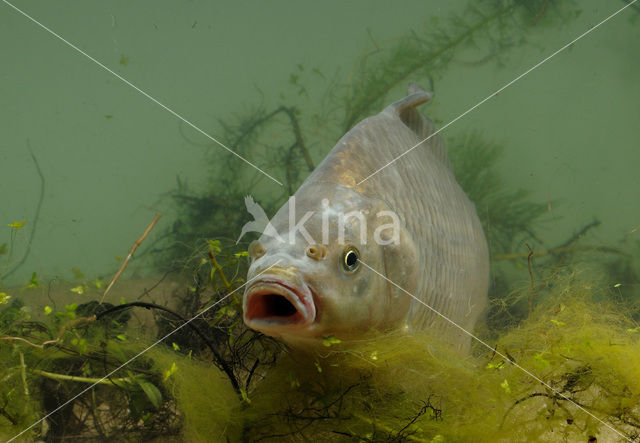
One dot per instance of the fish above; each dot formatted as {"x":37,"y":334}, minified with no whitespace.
{"x":411,"y":223}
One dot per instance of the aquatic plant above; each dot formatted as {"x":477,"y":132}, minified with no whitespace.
{"x":213,"y":378}
{"x":291,"y":137}
{"x":51,"y":357}
{"x":491,"y":28}
{"x":404,"y":387}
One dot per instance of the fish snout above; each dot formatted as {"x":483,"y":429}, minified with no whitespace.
{"x":279,"y":300}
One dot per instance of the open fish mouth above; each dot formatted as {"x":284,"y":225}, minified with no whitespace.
{"x":273,"y":303}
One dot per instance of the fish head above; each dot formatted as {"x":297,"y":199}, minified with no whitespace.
{"x":314,"y":279}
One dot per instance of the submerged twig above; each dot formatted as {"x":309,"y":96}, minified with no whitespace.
{"x":6,"y":415}
{"x":220,"y":361}
{"x":218,"y":269}
{"x":562,"y":248}
{"x":558,"y":251}
{"x":577,"y":236}
{"x":358,"y":103}
{"x":437,"y":414}
{"x":94,"y":380}
{"x":555,"y":397}
{"x":133,"y":249}
{"x":61,"y":331}
{"x":23,"y":373}
{"x":377,"y":425}
{"x":40,"y":346}
{"x":35,"y":217}
{"x":253,"y":368}
{"x":291,"y":113}
{"x":531,"y":289}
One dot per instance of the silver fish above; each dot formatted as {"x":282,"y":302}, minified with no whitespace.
{"x":311,"y":282}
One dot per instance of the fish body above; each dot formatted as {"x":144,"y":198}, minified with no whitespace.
{"x":411,"y":222}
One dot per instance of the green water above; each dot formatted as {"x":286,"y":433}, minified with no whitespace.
{"x":110,"y":156}
{"x":106,"y":176}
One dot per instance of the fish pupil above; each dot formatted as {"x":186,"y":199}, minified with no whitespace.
{"x":351,"y":259}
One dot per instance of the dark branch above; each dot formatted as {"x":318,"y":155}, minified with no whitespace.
{"x":218,"y":358}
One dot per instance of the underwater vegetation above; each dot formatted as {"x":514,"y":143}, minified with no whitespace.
{"x":579,"y":340}
{"x":292,"y":136}
{"x":571,"y":324}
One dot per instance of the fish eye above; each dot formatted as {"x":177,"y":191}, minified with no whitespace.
{"x":350,"y":258}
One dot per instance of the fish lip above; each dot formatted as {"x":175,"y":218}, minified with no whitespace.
{"x":259,"y":304}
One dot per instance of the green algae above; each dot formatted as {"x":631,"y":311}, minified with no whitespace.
{"x":404,"y":387}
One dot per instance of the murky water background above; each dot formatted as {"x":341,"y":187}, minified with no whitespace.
{"x":110,"y":156}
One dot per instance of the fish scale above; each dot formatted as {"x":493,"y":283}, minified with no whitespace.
{"x":437,"y":213}
{"x":442,"y":258}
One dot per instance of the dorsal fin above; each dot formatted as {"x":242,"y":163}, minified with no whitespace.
{"x":406,"y":110}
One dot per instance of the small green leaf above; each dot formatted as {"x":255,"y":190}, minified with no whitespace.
{"x":78,"y":289}
{"x":4,"y":298}
{"x":293,"y":381}
{"x":244,"y":395}
{"x":556,"y":322}
{"x":33,"y":282}
{"x":505,"y":385}
{"x":17,"y":224}
{"x":80,"y":344}
{"x":330,"y":340}
{"x":539,"y":359}
{"x":498,"y":365}
{"x":241,"y":254}
{"x":214,"y":245}
{"x":47,"y":310}
{"x":97,"y":283}
{"x":152,"y":392}
{"x":121,"y":337}
{"x":318,"y":367}
{"x":169,"y":372}
{"x":175,"y":346}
